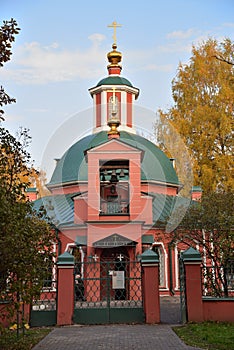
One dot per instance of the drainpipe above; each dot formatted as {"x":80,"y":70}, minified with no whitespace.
{"x":170,"y":247}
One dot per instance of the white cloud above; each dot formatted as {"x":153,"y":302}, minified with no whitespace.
{"x":228,"y":24}
{"x":97,"y":38}
{"x":180,"y":34}
{"x":175,"y":47}
{"x":34,"y":63}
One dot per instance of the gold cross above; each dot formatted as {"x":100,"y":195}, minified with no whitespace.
{"x":114,"y":25}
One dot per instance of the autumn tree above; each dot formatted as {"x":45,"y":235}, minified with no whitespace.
{"x":202,"y":114}
{"x":26,"y":241}
{"x":8,"y":31}
{"x":173,"y":145}
{"x":30,"y":175}
{"x":209,"y":224}
{"x":38,"y":180}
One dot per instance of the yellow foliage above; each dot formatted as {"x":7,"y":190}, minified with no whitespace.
{"x":202,"y":115}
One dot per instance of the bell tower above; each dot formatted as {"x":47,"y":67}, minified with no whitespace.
{"x":114,"y":96}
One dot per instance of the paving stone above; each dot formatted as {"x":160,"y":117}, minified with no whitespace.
{"x":121,"y":337}
{"x":112,"y":337}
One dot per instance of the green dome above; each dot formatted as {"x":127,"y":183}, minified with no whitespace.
{"x":72,"y":167}
{"x":114,"y":80}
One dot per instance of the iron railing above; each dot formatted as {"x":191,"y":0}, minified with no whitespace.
{"x":108,"y":284}
{"x":218,"y":281}
{"x":48,"y":296}
{"x":114,"y":208}
{"x":183,"y":301}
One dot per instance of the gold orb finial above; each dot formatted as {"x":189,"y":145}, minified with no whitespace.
{"x":114,"y":56}
{"x":113,"y":124}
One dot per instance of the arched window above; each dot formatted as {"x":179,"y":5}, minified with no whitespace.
{"x":158,"y":249}
{"x":114,"y":187}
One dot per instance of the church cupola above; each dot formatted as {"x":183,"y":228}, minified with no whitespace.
{"x":114,"y":57}
{"x":114,"y":96}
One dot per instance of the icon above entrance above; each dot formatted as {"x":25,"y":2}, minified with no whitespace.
{"x":114,"y":240}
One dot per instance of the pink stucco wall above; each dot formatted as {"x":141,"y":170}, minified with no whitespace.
{"x":218,"y":310}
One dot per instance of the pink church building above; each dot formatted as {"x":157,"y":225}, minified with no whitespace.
{"x":113,"y":191}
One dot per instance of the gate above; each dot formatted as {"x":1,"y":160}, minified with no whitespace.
{"x":108,"y":292}
{"x":43,"y":310}
{"x":183,"y":302}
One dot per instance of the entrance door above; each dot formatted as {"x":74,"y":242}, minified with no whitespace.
{"x":115,"y":273}
{"x":111,"y":291}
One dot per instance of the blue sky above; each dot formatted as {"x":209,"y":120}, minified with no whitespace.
{"x":61,"y":52}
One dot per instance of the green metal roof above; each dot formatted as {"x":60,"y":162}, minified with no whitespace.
{"x":196,"y":189}
{"x":114,"y":240}
{"x":191,"y":254}
{"x":162,"y":207}
{"x":149,"y":257}
{"x":169,"y":210}
{"x":59,"y":208}
{"x":66,"y":259}
{"x":31,"y":190}
{"x":147,"y":239}
{"x":81,"y":240}
{"x":114,"y":80}
{"x":72,"y":167}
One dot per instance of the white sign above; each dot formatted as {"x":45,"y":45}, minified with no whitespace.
{"x":118,"y":280}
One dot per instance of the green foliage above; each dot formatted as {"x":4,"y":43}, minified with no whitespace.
{"x":8,"y":31}
{"x":25,"y":240}
{"x":7,"y":35}
{"x":208,"y":335}
{"x":210,"y":224}
{"x":14,"y":164}
{"x":202,"y":114}
{"x":10,"y":341}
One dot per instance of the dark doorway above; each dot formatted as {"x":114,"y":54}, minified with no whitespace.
{"x":114,"y":271}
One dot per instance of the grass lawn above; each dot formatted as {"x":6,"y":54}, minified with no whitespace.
{"x":208,"y":335}
{"x":9,"y":340}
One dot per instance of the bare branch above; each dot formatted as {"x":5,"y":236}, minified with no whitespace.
{"x":220,"y":58}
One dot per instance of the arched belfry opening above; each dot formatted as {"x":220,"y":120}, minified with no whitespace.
{"x":114,"y":187}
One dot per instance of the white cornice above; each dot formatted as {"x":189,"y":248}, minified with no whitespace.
{"x":97,"y":89}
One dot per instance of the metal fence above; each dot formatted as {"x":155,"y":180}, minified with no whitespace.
{"x":43,"y":309}
{"x":108,"y":292}
{"x":218,"y":281}
{"x":183,"y":301}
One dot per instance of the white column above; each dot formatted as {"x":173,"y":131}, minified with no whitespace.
{"x":94,"y":112}
{"x":103,"y":108}
{"x":123,"y":108}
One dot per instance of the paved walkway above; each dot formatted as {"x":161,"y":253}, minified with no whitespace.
{"x":170,"y":310}
{"x":112,"y":337}
{"x":121,"y":337}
